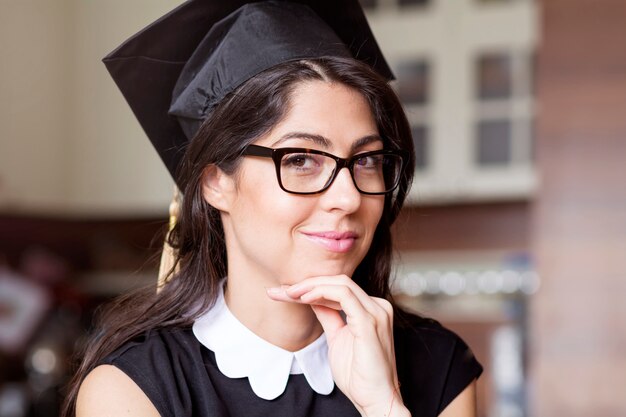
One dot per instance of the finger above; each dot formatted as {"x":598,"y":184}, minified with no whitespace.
{"x":384,"y":304}
{"x":306,"y":285}
{"x":381,"y":309}
{"x":386,"y":309}
{"x":358,"y":318}
{"x":324,"y":303}
{"x":280,"y":294}
{"x":330,"y":319}
{"x":327,"y":312}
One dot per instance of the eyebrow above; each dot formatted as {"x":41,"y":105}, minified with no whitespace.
{"x":326,"y":143}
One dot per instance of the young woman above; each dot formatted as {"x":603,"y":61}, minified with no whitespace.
{"x":280,"y":302}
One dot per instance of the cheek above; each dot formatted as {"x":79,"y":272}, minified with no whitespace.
{"x":372,"y":215}
{"x":374,"y":207}
{"x":262,"y":202}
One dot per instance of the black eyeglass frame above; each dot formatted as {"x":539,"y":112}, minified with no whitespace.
{"x":277,"y":154}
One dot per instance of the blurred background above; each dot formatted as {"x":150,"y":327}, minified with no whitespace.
{"x":514,"y":236}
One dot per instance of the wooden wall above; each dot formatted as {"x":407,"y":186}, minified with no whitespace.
{"x":496,"y":226}
{"x":578,"y":357}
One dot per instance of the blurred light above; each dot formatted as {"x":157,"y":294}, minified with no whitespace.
{"x":452,"y":283}
{"x":508,"y":371}
{"x":471,"y":283}
{"x":12,"y":401}
{"x":432,"y":282}
{"x":511,"y":281}
{"x":414,"y":284}
{"x":530,"y":282}
{"x":490,"y":282}
{"x":44,"y":361}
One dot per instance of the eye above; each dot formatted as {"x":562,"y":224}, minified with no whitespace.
{"x":296,"y":160}
{"x":302,"y":163}
{"x":369,"y":162}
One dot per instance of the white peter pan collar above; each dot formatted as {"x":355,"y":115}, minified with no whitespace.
{"x":240,"y":353}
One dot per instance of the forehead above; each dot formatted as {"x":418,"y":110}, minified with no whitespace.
{"x":330,"y":110}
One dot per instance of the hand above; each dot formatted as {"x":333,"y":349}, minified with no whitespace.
{"x":361,"y":351}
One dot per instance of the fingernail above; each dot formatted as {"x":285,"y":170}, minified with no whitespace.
{"x":274,"y":290}
{"x":292,"y":288}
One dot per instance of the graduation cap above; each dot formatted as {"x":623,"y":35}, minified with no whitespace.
{"x":174,"y":71}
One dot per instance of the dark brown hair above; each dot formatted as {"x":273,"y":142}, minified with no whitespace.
{"x":198,"y":238}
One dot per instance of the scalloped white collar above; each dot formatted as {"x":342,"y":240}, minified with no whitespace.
{"x":240,"y":353}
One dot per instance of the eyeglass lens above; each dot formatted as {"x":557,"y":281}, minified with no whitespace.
{"x":309,"y":172}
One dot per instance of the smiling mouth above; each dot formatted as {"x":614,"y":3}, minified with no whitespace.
{"x":339,"y":242}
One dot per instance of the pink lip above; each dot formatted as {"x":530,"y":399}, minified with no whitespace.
{"x":339,"y":242}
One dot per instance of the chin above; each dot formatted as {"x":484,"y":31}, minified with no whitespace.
{"x":327,"y":269}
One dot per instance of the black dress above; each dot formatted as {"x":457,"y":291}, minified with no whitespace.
{"x":179,"y":375}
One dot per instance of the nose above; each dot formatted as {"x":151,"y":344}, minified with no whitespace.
{"x":342,"y":194}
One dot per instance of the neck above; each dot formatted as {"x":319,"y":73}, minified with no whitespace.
{"x":290,"y":326}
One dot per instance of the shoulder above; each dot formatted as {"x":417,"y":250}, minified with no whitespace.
{"x":167,"y":341}
{"x":425,"y":335}
{"x":108,"y":391}
{"x":160,"y":364}
{"x":155,"y":358}
{"x":156,"y":353}
{"x":434,"y":364}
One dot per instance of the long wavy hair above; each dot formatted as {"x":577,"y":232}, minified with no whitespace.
{"x":246,"y":114}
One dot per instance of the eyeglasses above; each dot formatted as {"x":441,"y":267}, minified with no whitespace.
{"x":309,"y":171}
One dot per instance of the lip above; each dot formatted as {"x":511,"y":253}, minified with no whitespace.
{"x":339,"y":242}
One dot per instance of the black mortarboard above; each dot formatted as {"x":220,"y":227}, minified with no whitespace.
{"x":175,"y":70}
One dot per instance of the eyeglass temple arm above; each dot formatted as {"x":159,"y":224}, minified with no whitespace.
{"x":256,"y":150}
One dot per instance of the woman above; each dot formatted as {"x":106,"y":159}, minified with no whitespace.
{"x":280,"y":301}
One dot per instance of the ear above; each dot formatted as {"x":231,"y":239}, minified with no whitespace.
{"x":217,"y":188}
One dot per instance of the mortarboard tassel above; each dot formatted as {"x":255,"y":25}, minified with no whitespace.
{"x":167,"y":268}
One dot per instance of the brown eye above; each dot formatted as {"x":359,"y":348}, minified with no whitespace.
{"x":295,"y":160}
{"x":302,"y":164}
{"x":372,"y":161}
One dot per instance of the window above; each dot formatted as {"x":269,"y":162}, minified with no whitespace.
{"x":414,"y":85}
{"x":413,"y":81}
{"x":494,"y":76}
{"x":464,"y":76}
{"x":420,"y":142}
{"x":493,"y":142}
{"x":503,"y":132}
